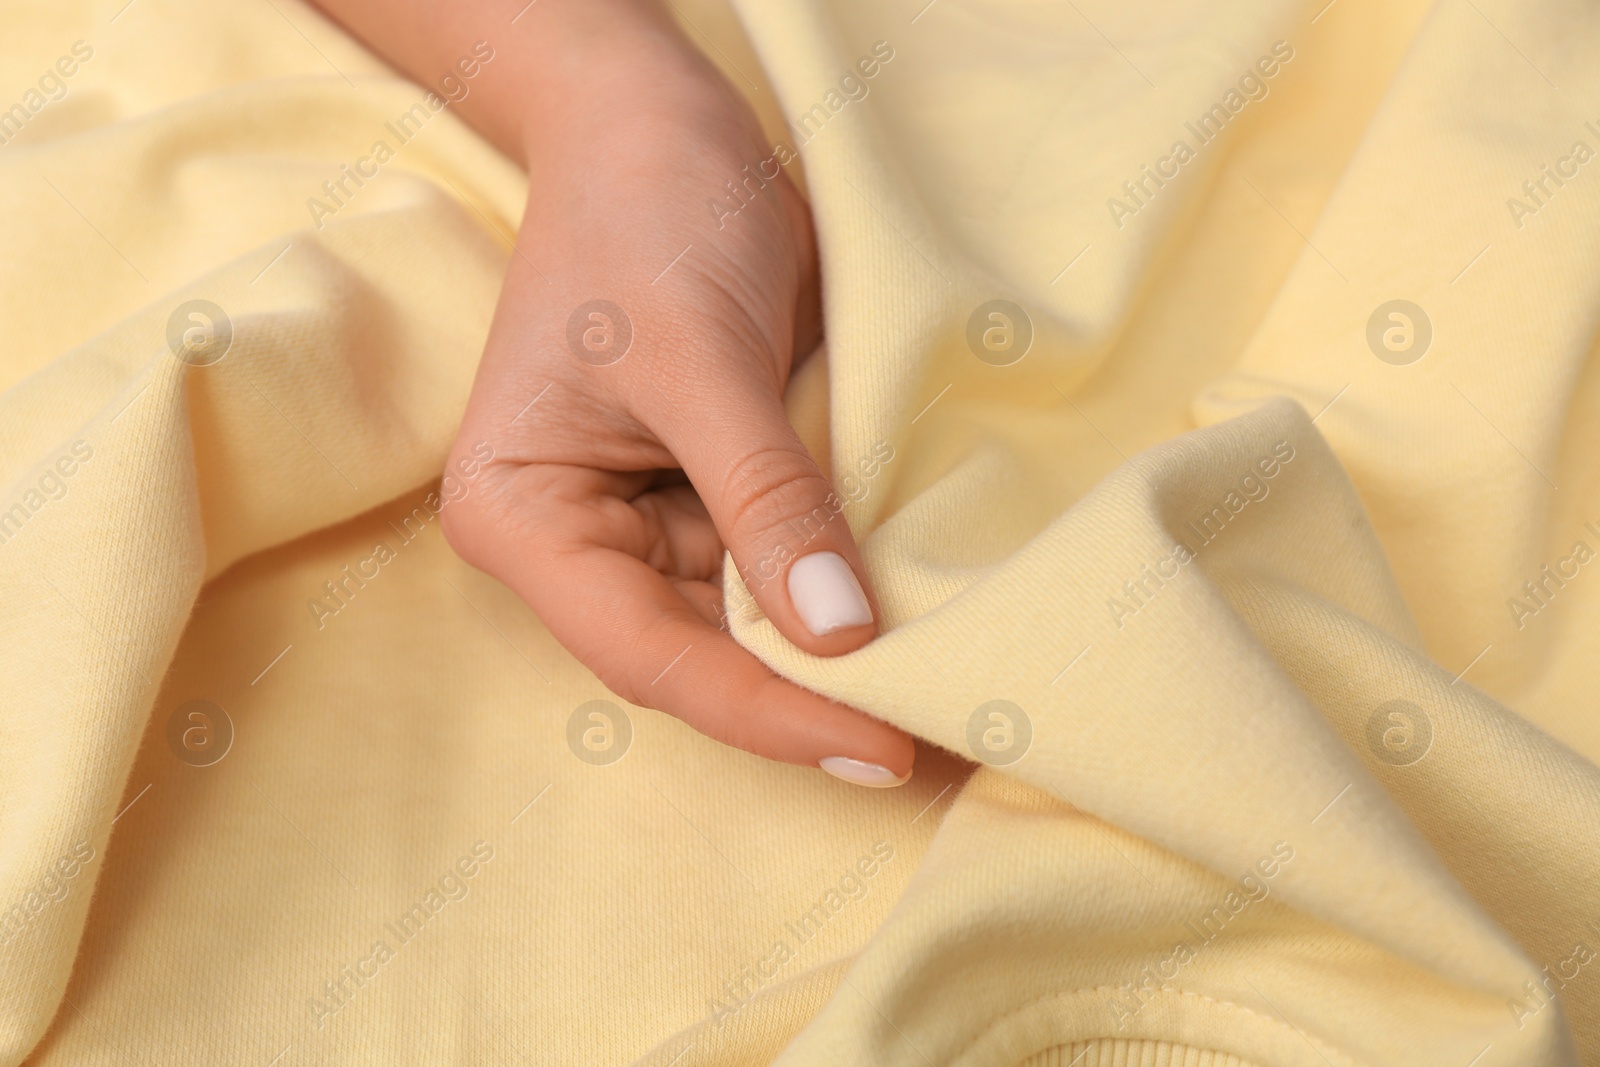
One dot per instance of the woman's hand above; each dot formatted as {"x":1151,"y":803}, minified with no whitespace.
{"x":642,"y":336}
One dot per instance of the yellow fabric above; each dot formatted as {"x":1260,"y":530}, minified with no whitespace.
{"x":1218,"y":847}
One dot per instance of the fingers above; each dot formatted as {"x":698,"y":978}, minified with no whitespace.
{"x":776,"y":512}
{"x":551,"y":537}
{"x":664,"y":655}
{"x":772,"y":505}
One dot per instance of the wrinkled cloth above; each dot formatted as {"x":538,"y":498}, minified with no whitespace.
{"x":1209,"y":386}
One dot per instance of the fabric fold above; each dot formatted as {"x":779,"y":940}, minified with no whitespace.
{"x":1230,"y":509}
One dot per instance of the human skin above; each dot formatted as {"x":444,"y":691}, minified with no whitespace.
{"x":610,"y":501}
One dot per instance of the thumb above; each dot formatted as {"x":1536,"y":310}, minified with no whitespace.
{"x":778,"y":515}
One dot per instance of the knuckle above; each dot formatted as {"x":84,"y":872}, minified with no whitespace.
{"x":732,"y":728}
{"x":505,"y":506}
{"x":742,"y":723}
{"x":737,"y":720}
{"x":629,"y":675}
{"x":726,"y":710}
{"x":463,"y":524}
{"x":771,"y":488}
{"x":626,"y":684}
{"x":630,"y":662}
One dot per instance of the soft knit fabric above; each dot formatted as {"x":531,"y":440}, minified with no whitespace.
{"x":1250,"y":544}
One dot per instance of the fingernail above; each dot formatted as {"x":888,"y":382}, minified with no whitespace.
{"x":826,"y":595}
{"x":858,"y":772}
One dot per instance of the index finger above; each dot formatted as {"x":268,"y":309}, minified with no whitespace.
{"x":537,"y":531}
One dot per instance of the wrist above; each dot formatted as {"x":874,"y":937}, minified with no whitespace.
{"x":609,"y":71}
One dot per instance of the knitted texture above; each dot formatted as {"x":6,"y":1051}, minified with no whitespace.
{"x":1209,"y":386}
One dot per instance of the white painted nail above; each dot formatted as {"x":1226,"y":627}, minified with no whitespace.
{"x":826,"y":595}
{"x":858,"y":772}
